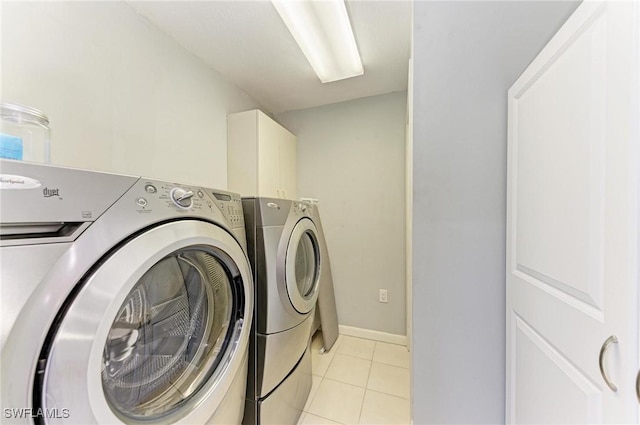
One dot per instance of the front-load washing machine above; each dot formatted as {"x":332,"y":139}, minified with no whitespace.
{"x":284,"y":247}
{"x":124,"y":299}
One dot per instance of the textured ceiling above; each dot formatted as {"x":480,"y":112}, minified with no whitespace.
{"x":249,"y":45}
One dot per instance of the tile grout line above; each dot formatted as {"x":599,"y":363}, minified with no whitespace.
{"x":390,"y":395}
{"x":367,"y":385}
{"x":315,"y":394}
{"x":395,"y":395}
{"x":345,"y":383}
{"x":339,"y":382}
{"x":331,"y":378}
{"x":328,"y":364}
{"x":352,"y":356}
{"x":393,"y":365}
{"x":329,"y":419}
{"x":365,"y":388}
{"x":373,"y":355}
{"x":377,"y":341}
{"x":371,"y":360}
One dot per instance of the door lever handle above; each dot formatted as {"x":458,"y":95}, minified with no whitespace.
{"x":605,"y":346}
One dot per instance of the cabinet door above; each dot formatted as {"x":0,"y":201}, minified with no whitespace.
{"x":269,"y":134}
{"x":288,"y":166}
{"x":242,"y":145}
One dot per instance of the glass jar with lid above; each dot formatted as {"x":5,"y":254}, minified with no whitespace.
{"x":24,"y":133}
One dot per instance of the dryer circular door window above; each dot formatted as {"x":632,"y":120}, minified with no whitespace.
{"x":303,"y":266}
{"x":156,"y":333}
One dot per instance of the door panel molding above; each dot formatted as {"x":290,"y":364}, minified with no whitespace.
{"x":574,"y":218}
{"x":563,"y":292}
{"x":586,"y":390}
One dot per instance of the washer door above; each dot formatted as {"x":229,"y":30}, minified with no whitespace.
{"x":156,"y":333}
{"x":303,"y":266}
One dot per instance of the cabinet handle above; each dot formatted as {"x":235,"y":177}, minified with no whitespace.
{"x":638,"y":386}
{"x":605,"y":346}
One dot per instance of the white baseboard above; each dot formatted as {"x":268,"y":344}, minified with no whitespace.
{"x":374,"y":335}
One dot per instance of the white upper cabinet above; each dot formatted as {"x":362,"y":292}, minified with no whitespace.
{"x":261,"y":156}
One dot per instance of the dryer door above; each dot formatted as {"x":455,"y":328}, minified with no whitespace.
{"x":302,"y":266}
{"x":156,"y":332}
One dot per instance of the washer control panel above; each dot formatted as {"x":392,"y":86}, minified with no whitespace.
{"x":231,"y":206}
{"x":159,"y":195}
{"x":181,"y":197}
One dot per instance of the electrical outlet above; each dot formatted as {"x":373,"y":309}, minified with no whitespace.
{"x":382,"y":296}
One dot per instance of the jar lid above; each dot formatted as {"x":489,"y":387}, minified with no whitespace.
{"x":12,"y":110}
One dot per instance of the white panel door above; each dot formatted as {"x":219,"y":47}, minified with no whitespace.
{"x":572,"y":223}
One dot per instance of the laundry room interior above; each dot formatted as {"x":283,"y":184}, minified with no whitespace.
{"x":400,"y":172}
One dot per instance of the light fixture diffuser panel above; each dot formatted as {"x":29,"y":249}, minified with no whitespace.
{"x":323,"y":32}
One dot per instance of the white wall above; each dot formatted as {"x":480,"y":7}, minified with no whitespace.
{"x":466,"y":55}
{"x":121,"y":95}
{"x":351,"y":157}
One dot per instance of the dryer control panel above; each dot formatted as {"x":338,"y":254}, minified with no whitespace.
{"x":302,"y":207}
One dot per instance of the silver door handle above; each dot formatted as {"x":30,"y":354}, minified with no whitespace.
{"x":611,"y":340}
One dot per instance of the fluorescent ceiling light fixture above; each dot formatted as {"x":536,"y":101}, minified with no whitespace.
{"x":323,"y":31}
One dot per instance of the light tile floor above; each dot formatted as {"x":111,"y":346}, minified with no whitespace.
{"x":358,"y":381}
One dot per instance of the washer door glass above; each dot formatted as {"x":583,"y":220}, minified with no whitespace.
{"x":306,"y":264}
{"x":169,"y":335}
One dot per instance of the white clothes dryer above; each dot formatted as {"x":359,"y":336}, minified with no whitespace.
{"x":124,"y":299}
{"x":285,"y":249}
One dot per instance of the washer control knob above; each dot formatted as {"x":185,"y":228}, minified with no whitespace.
{"x":181,"y":197}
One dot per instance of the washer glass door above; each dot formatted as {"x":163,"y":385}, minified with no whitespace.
{"x":303,"y":266}
{"x":169,"y":334}
{"x":154,"y":333}
{"x":306,"y":264}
